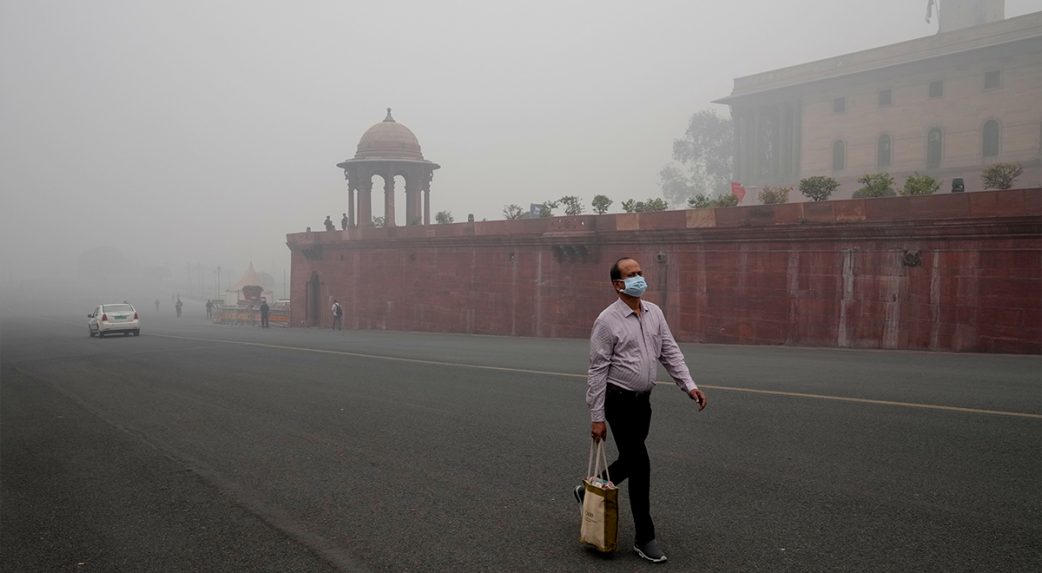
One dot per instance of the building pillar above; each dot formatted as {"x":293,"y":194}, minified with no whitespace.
{"x":350,"y":206}
{"x":350,"y":199}
{"x":427,"y":203}
{"x":365,"y":202}
{"x":389,"y":201}
{"x":413,"y":214}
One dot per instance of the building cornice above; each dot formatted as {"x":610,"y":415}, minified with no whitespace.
{"x":1008,"y":31}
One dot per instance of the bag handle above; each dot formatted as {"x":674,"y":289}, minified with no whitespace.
{"x":597,"y":460}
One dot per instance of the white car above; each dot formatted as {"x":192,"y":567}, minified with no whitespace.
{"x":113,"y":318}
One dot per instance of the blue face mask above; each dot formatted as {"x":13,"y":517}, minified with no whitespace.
{"x":635,"y":286}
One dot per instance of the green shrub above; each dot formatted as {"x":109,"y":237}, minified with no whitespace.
{"x":774,"y":195}
{"x":703,"y":201}
{"x":818,"y":187}
{"x":1001,"y":175}
{"x":875,"y":185}
{"x":917,"y":184}
{"x":865,"y":193}
{"x":649,"y":206}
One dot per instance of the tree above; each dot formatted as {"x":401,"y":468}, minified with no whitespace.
{"x":512,"y":212}
{"x":547,"y":208}
{"x":920,"y":185}
{"x":600,"y":204}
{"x":818,"y":187}
{"x":378,"y":221}
{"x":1001,"y":175}
{"x":875,"y":185}
{"x":572,"y":205}
{"x":649,"y":206}
{"x":443,"y":217}
{"x":774,"y":195}
{"x":703,"y":159}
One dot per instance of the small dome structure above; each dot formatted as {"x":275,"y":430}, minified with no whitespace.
{"x":388,"y":150}
{"x":389,"y":140}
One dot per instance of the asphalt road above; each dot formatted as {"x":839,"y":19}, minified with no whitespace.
{"x":198,"y":447}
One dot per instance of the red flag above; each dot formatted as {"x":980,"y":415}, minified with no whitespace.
{"x":738,"y":191}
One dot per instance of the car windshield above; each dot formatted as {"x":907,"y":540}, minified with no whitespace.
{"x":118,"y":308}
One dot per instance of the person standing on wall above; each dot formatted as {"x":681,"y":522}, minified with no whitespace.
{"x":628,"y":339}
{"x":338,"y":315}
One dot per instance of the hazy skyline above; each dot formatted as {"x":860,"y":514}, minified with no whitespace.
{"x":202,"y":133}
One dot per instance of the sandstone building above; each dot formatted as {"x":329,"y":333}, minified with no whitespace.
{"x":946,"y":105}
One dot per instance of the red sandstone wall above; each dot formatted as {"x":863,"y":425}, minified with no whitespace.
{"x":948,"y":272}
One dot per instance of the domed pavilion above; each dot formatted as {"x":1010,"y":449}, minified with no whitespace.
{"x":388,"y":149}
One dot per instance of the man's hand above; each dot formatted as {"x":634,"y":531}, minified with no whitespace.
{"x":598,"y":431}
{"x":700,"y":397}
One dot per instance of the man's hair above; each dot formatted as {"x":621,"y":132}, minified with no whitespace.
{"x":616,"y":274}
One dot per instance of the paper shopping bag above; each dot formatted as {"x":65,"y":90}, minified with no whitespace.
{"x":600,"y":519}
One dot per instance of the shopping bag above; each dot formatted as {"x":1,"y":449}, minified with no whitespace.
{"x":600,"y":519}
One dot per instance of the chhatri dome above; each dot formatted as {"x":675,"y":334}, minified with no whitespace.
{"x":389,"y":140}
{"x":388,"y":150}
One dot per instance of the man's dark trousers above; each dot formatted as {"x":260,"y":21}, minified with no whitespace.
{"x":629,"y":416}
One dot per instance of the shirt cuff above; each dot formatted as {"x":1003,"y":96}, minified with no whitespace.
{"x":597,"y":415}
{"x":689,"y":386}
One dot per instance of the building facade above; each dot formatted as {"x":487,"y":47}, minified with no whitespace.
{"x":947,"y":105}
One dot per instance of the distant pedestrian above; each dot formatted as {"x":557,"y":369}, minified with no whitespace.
{"x":343,"y":222}
{"x":329,"y":224}
{"x":264,"y":309}
{"x":209,"y":309}
{"x":338,"y":315}
{"x":177,"y":307}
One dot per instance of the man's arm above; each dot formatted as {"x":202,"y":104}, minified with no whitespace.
{"x":673,"y":360}
{"x":602,"y":344}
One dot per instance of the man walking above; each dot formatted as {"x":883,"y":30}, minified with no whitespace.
{"x":338,"y":316}
{"x":627,"y":339}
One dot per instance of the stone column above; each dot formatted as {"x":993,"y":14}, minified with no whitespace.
{"x":427,"y":200}
{"x":350,"y":199}
{"x":350,"y":207}
{"x":389,"y":201}
{"x":365,"y":202}
{"x":413,"y":216}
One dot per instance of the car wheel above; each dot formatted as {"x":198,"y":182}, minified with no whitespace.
{"x":101,"y":334}
{"x":137,"y":332}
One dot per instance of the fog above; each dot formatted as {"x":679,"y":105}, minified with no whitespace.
{"x":181,"y":136}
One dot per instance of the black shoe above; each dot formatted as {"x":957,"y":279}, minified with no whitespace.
{"x":650,"y":551}
{"x":580,"y":494}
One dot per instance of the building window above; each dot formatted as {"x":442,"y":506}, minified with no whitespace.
{"x":990,"y":139}
{"x":886,"y":97}
{"x":992,"y":79}
{"x":839,"y":105}
{"x":937,"y":88}
{"x":883,"y":151}
{"x":933,"y":148}
{"x":839,"y":156}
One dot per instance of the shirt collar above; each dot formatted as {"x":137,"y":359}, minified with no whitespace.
{"x":625,"y":309}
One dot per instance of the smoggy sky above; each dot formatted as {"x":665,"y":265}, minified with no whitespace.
{"x":195,"y":132}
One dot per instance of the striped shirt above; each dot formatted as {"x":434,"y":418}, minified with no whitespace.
{"x":623,"y":350}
